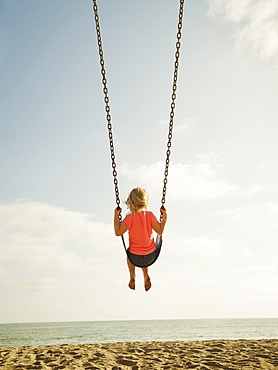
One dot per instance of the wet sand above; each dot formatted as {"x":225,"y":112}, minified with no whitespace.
{"x":198,"y":355}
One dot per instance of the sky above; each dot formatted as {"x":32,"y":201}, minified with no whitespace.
{"x":59,"y":258}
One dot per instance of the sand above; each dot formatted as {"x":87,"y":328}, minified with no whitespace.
{"x":198,"y":355}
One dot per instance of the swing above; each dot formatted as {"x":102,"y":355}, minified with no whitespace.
{"x":149,"y":259}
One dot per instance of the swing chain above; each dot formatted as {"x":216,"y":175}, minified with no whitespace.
{"x":172,"y":111}
{"x":107,"y":106}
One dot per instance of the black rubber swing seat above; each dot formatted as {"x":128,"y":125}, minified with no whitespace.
{"x":147,"y":259}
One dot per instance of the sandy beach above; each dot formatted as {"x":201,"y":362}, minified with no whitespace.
{"x":198,"y":355}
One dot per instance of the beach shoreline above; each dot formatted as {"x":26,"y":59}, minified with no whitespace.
{"x":239,"y":354}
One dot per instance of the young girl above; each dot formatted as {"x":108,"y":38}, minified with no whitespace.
{"x":140,"y":224}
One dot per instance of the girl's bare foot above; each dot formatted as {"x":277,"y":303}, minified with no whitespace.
{"x":131,"y":283}
{"x":148,"y":283}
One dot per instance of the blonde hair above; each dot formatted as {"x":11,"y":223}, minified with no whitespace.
{"x":138,"y":199}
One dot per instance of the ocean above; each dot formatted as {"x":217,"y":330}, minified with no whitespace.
{"x":56,"y":333}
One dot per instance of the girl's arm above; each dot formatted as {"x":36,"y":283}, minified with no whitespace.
{"x":119,"y":227}
{"x":159,"y":226}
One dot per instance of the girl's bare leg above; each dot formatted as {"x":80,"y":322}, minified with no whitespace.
{"x":147,"y":279}
{"x":131,"y":269}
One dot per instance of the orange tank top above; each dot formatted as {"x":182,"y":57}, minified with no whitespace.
{"x":140,"y":229}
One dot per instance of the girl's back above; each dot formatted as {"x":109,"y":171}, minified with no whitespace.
{"x":140,"y":228}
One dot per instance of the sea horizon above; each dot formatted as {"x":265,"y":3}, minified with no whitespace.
{"x":112,"y":320}
{"x":111,"y":331}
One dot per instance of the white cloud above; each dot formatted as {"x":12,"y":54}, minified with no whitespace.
{"x":255,"y":227}
{"x":204,"y":246}
{"x":187,"y":124}
{"x":49,"y":254}
{"x":246,"y":252}
{"x":179,"y":126}
{"x":261,"y":269}
{"x":198,"y":181}
{"x":33,"y":285}
{"x":262,"y":213}
{"x":43,"y":240}
{"x":261,"y":274}
{"x":256,"y":28}
{"x":272,"y":208}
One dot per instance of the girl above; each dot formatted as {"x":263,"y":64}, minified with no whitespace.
{"x":140,"y":223}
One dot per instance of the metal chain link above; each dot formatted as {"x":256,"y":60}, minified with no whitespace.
{"x":172,"y":111}
{"x":107,"y":106}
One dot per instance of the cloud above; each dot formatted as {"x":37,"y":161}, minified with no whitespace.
{"x":260,"y":275}
{"x":22,"y":284}
{"x":204,"y":246}
{"x":246,"y":252}
{"x":261,"y":213}
{"x":42,"y":240}
{"x":197,"y":181}
{"x":187,"y":124}
{"x":255,"y":22}
{"x":255,"y":226}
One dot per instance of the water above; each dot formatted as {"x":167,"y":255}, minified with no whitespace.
{"x":38,"y":334}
